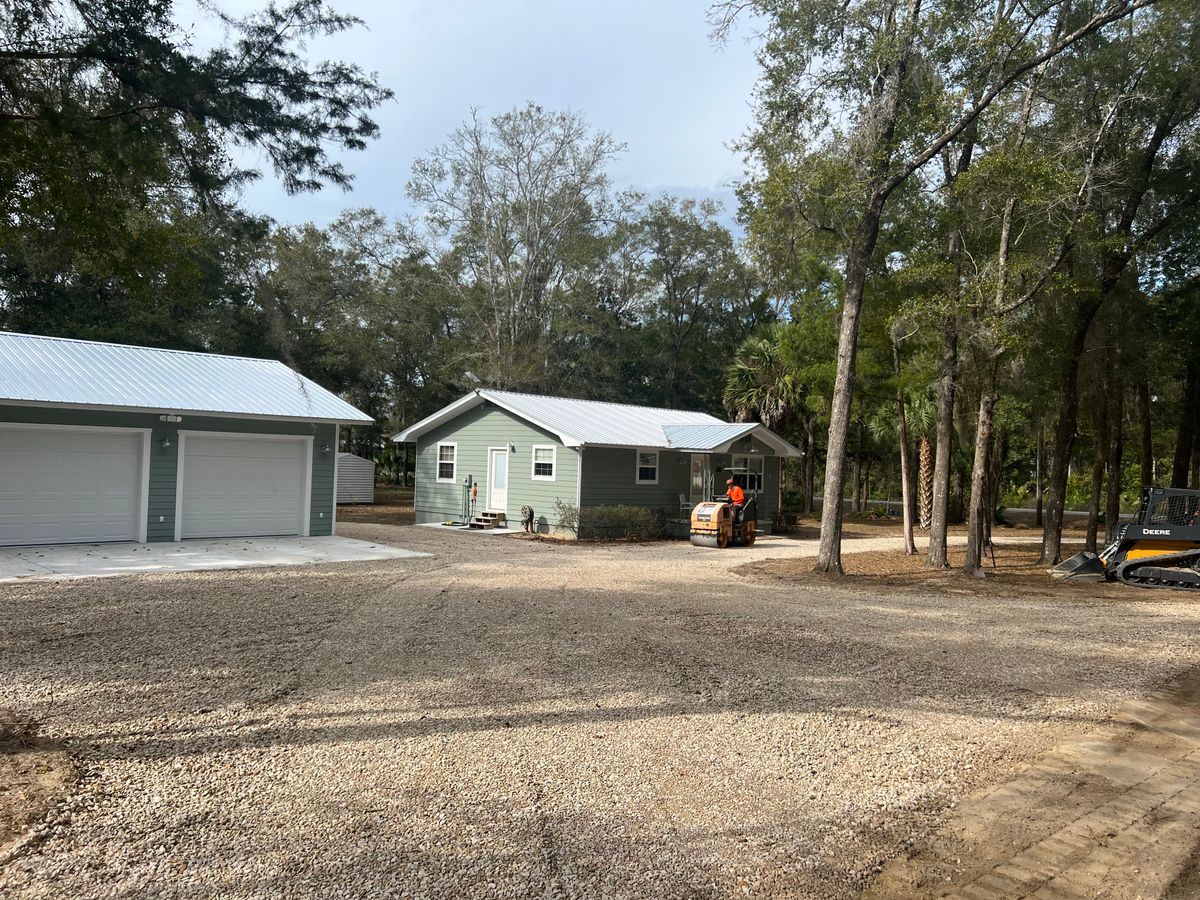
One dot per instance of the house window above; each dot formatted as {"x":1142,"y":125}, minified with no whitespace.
{"x":647,"y":467}
{"x":748,"y":472}
{"x":447,"y":462}
{"x":543,"y":462}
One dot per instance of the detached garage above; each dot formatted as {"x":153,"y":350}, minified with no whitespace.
{"x":106,"y":442}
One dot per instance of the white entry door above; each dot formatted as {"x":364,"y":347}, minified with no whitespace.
{"x":497,"y":499}
{"x":698,"y":479}
{"x":243,"y":486}
{"x":63,"y":485}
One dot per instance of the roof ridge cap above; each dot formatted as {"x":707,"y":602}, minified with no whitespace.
{"x":205,"y":353}
{"x":690,"y":412}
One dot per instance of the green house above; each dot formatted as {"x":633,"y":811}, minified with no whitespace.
{"x":107,"y":442}
{"x":505,"y":450}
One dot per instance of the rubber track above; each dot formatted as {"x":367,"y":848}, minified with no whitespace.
{"x":1127,"y":571}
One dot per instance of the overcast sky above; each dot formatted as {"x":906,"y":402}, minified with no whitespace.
{"x":645,"y":71}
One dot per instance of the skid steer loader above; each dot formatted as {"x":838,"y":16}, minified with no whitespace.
{"x":1160,"y":548}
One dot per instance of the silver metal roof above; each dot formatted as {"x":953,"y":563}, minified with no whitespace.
{"x":581,"y":423}
{"x":40,"y":370}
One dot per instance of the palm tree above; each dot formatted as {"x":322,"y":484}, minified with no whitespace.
{"x":760,"y":386}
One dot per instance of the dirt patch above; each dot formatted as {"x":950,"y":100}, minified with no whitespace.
{"x":34,"y":772}
{"x":858,"y":525}
{"x":1015,"y":568}
{"x":1112,"y":814}
{"x":392,"y":506}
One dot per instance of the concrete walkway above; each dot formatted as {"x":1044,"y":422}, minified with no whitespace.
{"x":62,"y":561}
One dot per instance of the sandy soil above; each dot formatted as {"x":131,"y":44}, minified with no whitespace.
{"x":511,"y":718}
{"x":1013,"y":567}
{"x":392,"y":506}
{"x":34,"y":774}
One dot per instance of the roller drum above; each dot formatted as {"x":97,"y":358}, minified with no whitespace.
{"x":705,"y":540}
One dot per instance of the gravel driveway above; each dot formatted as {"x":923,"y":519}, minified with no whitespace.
{"x":512,"y":718}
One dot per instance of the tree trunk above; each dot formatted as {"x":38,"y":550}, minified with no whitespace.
{"x":925,"y":483}
{"x":958,"y":496}
{"x":1114,"y":400}
{"x":858,"y":258}
{"x":1146,"y":453}
{"x":866,"y":485}
{"x":810,"y":464}
{"x":980,"y":493}
{"x":856,"y":478}
{"x":1065,"y":431}
{"x":910,"y":548}
{"x":1100,"y":459}
{"x":945,"y":434}
{"x":1185,"y":437}
{"x":829,"y":554}
{"x":1041,"y":455}
{"x":1116,"y":448}
{"x":404,"y":466}
{"x":1093,"y":523}
{"x":999,"y":454}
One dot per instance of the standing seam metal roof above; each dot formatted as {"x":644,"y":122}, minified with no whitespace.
{"x":596,"y":423}
{"x":62,"y":371}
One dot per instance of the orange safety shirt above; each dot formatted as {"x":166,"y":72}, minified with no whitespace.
{"x":736,"y":495}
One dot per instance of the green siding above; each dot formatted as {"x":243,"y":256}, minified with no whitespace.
{"x":609,"y":478}
{"x":475,"y":431}
{"x":160,"y":521}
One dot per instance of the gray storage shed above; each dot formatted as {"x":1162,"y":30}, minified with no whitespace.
{"x":355,"y":479}
{"x":108,"y":442}
{"x":533,"y":450}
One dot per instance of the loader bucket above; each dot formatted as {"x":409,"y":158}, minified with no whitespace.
{"x":1085,"y":566}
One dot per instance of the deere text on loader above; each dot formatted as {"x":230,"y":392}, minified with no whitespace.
{"x":1160,"y":548}
{"x":715,"y":523}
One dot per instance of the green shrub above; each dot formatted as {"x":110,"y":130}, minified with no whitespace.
{"x":621,"y":523}
{"x":611,"y":523}
{"x":567,"y":515}
{"x":793,"y":501}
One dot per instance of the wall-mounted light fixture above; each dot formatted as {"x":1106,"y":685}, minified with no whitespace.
{"x":512,"y":448}
{"x":165,"y":443}
{"x":324,"y":448}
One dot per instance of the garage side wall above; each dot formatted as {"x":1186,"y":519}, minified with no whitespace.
{"x":474,"y":432}
{"x":160,"y":521}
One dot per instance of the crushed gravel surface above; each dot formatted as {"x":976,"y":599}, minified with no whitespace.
{"x":514,"y":718}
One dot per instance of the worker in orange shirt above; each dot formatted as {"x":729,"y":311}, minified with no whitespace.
{"x":736,"y":496}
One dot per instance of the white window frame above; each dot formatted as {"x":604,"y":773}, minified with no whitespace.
{"x":437,"y":462}
{"x":744,"y":459}
{"x":533,"y":475}
{"x":637,"y":465}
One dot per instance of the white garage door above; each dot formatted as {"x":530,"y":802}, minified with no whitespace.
{"x":243,"y":486}
{"x":69,"y":485}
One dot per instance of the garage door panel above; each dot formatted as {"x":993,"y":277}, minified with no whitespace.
{"x":69,"y":486}
{"x":234,"y":487}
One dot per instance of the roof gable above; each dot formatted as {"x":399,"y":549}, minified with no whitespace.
{"x":40,"y":370}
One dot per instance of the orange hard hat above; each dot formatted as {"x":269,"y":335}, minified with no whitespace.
{"x":730,"y":481}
